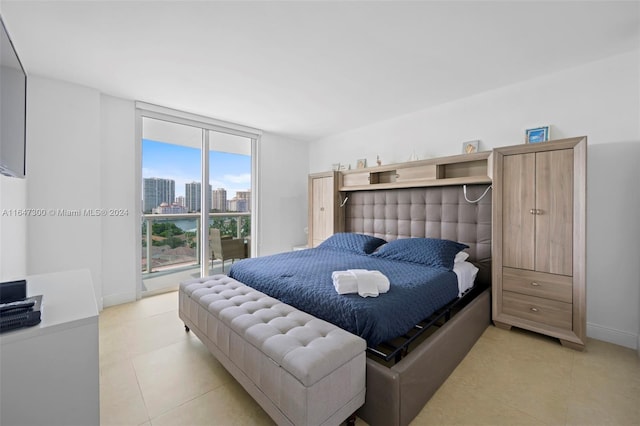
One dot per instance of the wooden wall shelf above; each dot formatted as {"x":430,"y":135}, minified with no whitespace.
{"x":452,"y":170}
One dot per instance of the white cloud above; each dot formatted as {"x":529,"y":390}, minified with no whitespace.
{"x":237,"y":179}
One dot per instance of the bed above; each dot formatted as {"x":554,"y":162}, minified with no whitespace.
{"x":304,"y":279}
{"x":397,"y":390}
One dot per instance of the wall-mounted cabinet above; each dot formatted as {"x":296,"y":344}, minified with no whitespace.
{"x":453,"y":170}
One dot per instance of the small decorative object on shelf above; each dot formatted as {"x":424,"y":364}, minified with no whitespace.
{"x":362,"y":163}
{"x":413,"y":157}
{"x":335,"y":167}
{"x":470,"y":147}
{"x":378,"y":160}
{"x":538,"y":134}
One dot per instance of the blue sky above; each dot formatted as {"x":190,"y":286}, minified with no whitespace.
{"x":182,"y":164}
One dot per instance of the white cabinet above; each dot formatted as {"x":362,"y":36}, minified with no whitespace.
{"x":50,"y":372}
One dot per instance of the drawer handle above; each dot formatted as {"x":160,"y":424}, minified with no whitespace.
{"x":535,"y":284}
{"x":534,"y":309}
{"x":535,"y":211}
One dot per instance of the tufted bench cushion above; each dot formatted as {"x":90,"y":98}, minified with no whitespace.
{"x":302,"y":370}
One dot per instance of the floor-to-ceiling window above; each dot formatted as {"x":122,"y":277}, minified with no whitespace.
{"x":190,"y":229}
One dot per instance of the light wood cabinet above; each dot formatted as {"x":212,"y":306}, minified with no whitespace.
{"x":324,"y":207}
{"x":539,"y":226}
{"x":328,"y":189}
{"x":452,"y":170}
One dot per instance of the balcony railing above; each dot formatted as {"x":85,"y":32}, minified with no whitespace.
{"x":174,"y":241}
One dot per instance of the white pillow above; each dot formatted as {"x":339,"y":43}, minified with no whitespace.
{"x":461,"y":257}
{"x":466,"y":273}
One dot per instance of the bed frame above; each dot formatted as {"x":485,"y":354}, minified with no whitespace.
{"x":396,"y":393}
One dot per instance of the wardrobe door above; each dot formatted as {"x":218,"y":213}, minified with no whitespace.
{"x":518,"y":200}
{"x":324,"y":218}
{"x":554,"y":212}
{"x":327,"y":207}
{"x":318,"y":216}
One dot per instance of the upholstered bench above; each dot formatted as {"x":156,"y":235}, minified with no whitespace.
{"x":301,"y":370}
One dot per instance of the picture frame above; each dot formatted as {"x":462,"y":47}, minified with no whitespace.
{"x":361,"y":163}
{"x":538,"y":134}
{"x":470,"y":147}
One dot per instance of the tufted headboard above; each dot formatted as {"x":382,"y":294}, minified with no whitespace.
{"x":434,"y":212}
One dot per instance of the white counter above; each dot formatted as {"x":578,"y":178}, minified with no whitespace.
{"x":49,"y":373}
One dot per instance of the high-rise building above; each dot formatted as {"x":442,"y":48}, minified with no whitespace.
{"x":157,"y":191}
{"x":166,"y":208}
{"x":219,"y":200}
{"x":180,"y":200}
{"x":244,"y":201}
{"x":192,"y":196}
{"x":240,"y":203}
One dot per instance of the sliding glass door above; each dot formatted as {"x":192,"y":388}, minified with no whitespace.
{"x":189,"y":229}
{"x":230,"y":209}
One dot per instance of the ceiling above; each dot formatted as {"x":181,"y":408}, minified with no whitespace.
{"x":308,"y":69}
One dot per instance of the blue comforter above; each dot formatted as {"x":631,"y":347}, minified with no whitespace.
{"x":303,"y":279}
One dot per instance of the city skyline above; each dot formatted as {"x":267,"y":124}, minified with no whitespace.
{"x":159,"y":197}
{"x":182,"y":164}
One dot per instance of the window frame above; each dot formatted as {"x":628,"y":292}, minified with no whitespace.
{"x":146,"y":110}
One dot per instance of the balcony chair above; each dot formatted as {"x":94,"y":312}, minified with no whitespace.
{"x":225,"y":247}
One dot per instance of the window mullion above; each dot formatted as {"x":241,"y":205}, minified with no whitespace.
{"x":204,"y":205}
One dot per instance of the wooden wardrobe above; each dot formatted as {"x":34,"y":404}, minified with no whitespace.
{"x":324,"y":207}
{"x":539,"y":247}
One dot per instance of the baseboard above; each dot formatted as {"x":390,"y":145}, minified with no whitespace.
{"x":611,"y":335}
{"x":118,"y":299}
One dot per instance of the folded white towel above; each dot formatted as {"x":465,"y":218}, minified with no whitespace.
{"x":345,"y":282}
{"x":367,"y":287}
{"x":364,"y":282}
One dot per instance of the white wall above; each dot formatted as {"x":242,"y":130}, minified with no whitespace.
{"x":121,"y":226}
{"x":13,"y":228}
{"x":63,"y":169}
{"x":599,"y":100}
{"x":283,"y":194}
{"x":613,"y":242}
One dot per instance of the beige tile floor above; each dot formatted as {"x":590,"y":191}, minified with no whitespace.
{"x":153,"y":373}
{"x":168,"y":279}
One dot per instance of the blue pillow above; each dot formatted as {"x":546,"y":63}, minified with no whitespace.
{"x":358,"y":243}
{"x":426,"y":251}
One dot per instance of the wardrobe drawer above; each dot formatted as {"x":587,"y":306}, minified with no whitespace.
{"x":540,"y":284}
{"x":544,"y":311}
